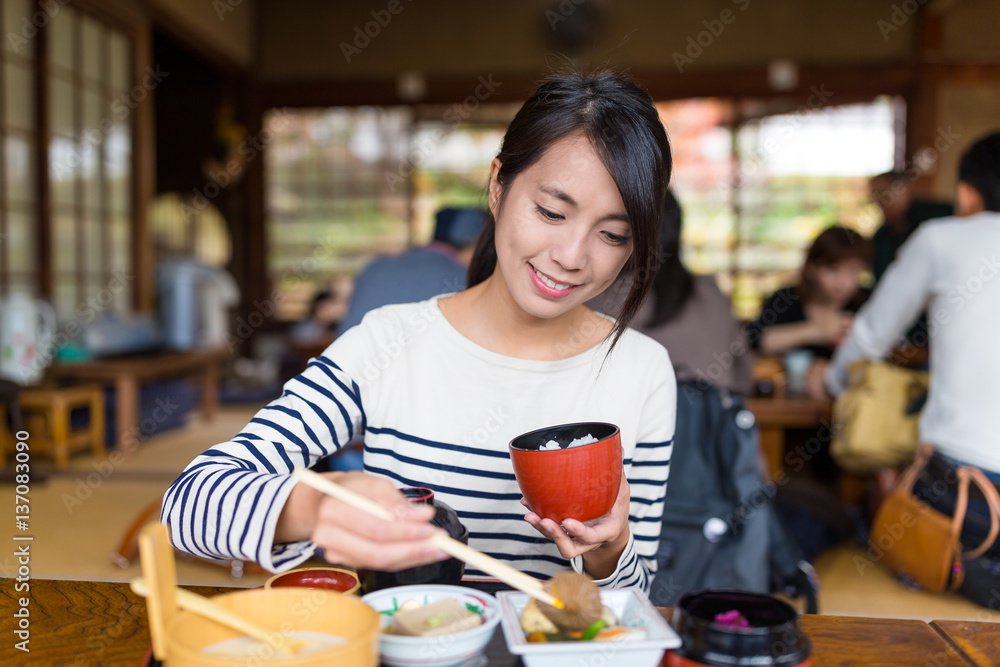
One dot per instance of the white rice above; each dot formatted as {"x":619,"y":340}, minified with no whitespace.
{"x":552,"y":444}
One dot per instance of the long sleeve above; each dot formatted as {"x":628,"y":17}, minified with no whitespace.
{"x":227,"y":502}
{"x":647,"y":471}
{"x":437,"y":411}
{"x":894,"y":305}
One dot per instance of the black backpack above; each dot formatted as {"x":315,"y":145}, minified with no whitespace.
{"x":720,"y":529}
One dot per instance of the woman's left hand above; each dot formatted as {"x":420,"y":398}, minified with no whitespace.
{"x":607,"y":534}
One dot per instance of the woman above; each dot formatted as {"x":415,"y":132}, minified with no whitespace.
{"x":689,"y":316}
{"x":440,"y":387}
{"x":692,"y":318}
{"x":817,"y":314}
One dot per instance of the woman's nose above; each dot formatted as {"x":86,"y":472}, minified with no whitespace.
{"x":570,"y":250}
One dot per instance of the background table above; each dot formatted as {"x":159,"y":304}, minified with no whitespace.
{"x":98,"y":623}
{"x":776,"y":414}
{"x":126,"y":373}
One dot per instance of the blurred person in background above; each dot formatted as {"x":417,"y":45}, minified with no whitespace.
{"x":902,"y":214}
{"x":690,"y":316}
{"x":436,"y":268}
{"x":308,"y":337}
{"x":326,"y":311}
{"x":817,"y":313}
{"x":950,"y":267}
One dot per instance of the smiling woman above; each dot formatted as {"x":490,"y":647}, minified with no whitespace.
{"x":575,"y":195}
{"x":571,"y":138}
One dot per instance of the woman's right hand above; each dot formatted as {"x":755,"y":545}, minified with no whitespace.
{"x":352,"y":537}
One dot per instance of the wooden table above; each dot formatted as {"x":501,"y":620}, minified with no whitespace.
{"x":95,"y":623}
{"x":126,"y":373}
{"x":979,"y":641}
{"x":774,"y":415}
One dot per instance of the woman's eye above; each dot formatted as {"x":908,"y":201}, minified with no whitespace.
{"x":547,"y":214}
{"x":617,"y":239}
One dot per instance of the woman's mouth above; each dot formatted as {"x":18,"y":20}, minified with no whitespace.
{"x":548,"y":286}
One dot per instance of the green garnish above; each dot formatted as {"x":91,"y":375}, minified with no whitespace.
{"x":434,"y":621}
{"x":593,"y":629}
{"x":390,"y":612}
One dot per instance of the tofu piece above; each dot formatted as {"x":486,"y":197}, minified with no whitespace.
{"x":438,"y":618}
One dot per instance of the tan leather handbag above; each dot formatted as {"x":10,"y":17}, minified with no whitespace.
{"x":917,"y":541}
{"x":872,"y":428}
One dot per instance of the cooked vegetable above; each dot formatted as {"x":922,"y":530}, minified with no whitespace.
{"x":581,"y":599}
{"x":593,"y":629}
{"x":533,"y":620}
{"x":438,"y":618}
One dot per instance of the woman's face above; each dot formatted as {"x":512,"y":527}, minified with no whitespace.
{"x":839,"y":282}
{"x":562,"y":234}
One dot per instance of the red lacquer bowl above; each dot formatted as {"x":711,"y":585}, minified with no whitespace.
{"x":569,"y":483}
{"x":329,"y":578}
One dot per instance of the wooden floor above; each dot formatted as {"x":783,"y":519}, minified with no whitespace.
{"x":78,"y":516}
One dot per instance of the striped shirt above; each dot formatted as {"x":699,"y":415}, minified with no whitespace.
{"x":436,"y":410}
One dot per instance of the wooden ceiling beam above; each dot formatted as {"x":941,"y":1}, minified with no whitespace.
{"x":855,"y":81}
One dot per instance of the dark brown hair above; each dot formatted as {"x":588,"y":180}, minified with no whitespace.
{"x":625,"y":130}
{"x":833,"y":245}
{"x":674,"y":284}
{"x":980,"y":168}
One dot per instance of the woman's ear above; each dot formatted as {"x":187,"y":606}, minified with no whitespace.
{"x":495,"y":188}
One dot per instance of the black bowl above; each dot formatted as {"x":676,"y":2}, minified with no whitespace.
{"x":775,"y":637}
{"x":448,"y":571}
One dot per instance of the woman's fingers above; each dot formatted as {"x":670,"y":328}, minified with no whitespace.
{"x":354,"y":550}
{"x":354,"y":537}
{"x":385,"y":494}
{"x":569,"y":546}
{"x":574,"y":537}
{"x":334,"y":514}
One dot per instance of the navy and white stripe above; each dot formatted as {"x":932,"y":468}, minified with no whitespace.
{"x":436,"y":410}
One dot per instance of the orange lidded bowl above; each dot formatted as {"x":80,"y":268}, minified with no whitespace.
{"x":569,"y":482}
{"x":310,"y":615}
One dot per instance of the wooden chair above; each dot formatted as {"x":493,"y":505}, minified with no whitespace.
{"x":47,"y":414}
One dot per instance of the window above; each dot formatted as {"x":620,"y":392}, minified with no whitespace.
{"x":347,"y":184}
{"x":89,"y":159}
{"x":700,"y":133}
{"x":343,"y":185}
{"x":797,"y":174}
{"x":18,"y":135}
{"x":756,"y":192}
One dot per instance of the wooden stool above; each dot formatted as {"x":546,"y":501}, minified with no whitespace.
{"x":47,"y":411}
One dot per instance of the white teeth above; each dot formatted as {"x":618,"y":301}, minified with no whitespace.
{"x":548,"y":281}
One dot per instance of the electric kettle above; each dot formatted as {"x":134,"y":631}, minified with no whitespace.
{"x":26,"y":329}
